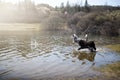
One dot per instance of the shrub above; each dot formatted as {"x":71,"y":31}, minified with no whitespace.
{"x":102,"y":23}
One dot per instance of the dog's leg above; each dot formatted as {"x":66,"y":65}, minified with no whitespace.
{"x":79,"y":48}
{"x":90,"y":48}
{"x":93,"y":46}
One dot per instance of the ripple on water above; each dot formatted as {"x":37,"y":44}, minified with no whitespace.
{"x":41,"y":57}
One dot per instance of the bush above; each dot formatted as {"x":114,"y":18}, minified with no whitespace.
{"x":54,"y":21}
{"x":102,"y":23}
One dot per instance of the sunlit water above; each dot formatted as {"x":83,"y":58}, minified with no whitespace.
{"x":39,"y":55}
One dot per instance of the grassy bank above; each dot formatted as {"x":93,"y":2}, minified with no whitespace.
{"x":115,"y":47}
{"x":110,"y":72}
{"x":20,"y":26}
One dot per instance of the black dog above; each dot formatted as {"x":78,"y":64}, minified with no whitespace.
{"x":84,"y":44}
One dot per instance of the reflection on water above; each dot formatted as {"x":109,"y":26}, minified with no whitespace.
{"x":82,"y":55}
{"x":29,"y":55}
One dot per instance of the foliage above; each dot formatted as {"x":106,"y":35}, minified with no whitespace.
{"x":54,"y":21}
{"x":70,"y":9}
{"x":101,"y":23}
{"x":102,"y":20}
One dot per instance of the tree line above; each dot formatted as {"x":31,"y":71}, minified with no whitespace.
{"x":23,"y":11}
{"x":71,"y":9}
{"x":99,"y":20}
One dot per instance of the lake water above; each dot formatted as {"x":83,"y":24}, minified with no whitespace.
{"x":44,"y":55}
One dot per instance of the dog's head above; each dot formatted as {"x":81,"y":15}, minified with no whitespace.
{"x":75,"y":38}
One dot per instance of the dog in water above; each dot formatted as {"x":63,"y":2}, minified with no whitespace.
{"x":84,"y":43}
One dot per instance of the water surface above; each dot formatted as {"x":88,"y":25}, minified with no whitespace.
{"x":40,"y":55}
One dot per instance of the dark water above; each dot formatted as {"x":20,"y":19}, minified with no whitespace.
{"x":37,"y":55}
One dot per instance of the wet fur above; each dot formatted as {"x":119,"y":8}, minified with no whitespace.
{"x":90,"y":45}
{"x":85,"y":44}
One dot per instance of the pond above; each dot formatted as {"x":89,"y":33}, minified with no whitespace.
{"x":43,"y":55}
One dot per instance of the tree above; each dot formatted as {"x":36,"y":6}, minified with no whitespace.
{"x":29,"y":5}
{"x":62,"y":5}
{"x":86,"y":3}
{"x":87,"y":9}
{"x":68,"y":7}
{"x":77,"y":8}
{"x":56,"y":8}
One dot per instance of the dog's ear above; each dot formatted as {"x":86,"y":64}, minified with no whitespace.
{"x":74,"y":35}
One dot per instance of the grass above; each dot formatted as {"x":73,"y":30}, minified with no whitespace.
{"x":19,"y":26}
{"x":115,"y":47}
{"x":111,"y":71}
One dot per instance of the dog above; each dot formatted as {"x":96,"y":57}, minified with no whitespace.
{"x":84,"y":43}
